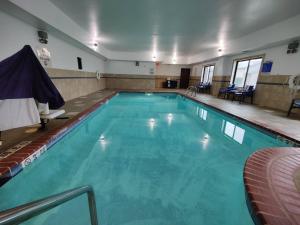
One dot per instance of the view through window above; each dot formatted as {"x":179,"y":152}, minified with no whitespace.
{"x":245,"y":72}
{"x":207,"y":74}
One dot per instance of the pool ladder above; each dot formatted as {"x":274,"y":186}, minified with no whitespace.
{"x":191,"y":90}
{"x":27,"y":211}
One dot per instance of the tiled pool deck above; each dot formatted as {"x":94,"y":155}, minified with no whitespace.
{"x":272,"y":120}
{"x":23,"y":145}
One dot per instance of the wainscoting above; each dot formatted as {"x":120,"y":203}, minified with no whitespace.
{"x":130,"y":82}
{"x":219,"y":82}
{"x":72,"y":84}
{"x":272,"y":91}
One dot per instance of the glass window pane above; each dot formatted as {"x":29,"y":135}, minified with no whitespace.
{"x":203,"y":74}
{"x":240,"y":74}
{"x":232,"y":73}
{"x":206,"y":74}
{"x":211,"y":73}
{"x":253,"y":72}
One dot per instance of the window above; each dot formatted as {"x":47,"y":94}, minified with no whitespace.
{"x":207,"y":74}
{"x":245,"y":72}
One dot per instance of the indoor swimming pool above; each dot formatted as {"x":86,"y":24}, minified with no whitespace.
{"x":152,"y":159}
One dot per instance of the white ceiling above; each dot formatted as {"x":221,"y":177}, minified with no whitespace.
{"x":181,"y":27}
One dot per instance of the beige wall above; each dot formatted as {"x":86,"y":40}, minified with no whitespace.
{"x":130,"y":82}
{"x":271,"y":91}
{"x":161,"y":79}
{"x":72,"y":84}
{"x":170,"y":69}
{"x":126,"y":81}
{"x":219,"y":82}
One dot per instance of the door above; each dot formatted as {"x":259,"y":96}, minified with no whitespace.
{"x":185,"y":77}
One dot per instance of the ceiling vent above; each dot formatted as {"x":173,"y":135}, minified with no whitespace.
{"x":293,"y":47}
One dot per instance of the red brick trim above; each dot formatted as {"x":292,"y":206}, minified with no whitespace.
{"x":15,"y":162}
{"x":271,"y":191}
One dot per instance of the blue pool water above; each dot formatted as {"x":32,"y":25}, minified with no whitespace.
{"x":152,"y":159}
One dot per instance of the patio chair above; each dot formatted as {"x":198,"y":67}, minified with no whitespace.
{"x":224,"y":91}
{"x":244,"y":93}
{"x":295,"y":104}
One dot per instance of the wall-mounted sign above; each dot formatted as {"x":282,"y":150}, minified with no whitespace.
{"x":267,"y":67}
{"x":44,"y":56}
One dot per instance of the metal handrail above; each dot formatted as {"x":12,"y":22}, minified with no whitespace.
{"x":24,"y":212}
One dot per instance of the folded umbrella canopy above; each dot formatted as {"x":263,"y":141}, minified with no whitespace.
{"x":23,"y":82}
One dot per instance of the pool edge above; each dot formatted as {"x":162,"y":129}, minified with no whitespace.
{"x":16,"y":162}
{"x":270,"y":193}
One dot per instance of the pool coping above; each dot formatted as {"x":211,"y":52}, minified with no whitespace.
{"x":271,"y":194}
{"x":17,"y":161}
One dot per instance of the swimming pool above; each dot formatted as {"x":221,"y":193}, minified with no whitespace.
{"x":151,"y":159}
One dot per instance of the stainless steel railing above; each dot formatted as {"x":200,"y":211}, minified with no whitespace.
{"x":192,"y":90}
{"x":29,"y":210}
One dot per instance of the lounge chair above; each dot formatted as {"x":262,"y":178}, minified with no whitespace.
{"x":243,"y":93}
{"x":225,"y":91}
{"x":295,"y":104}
